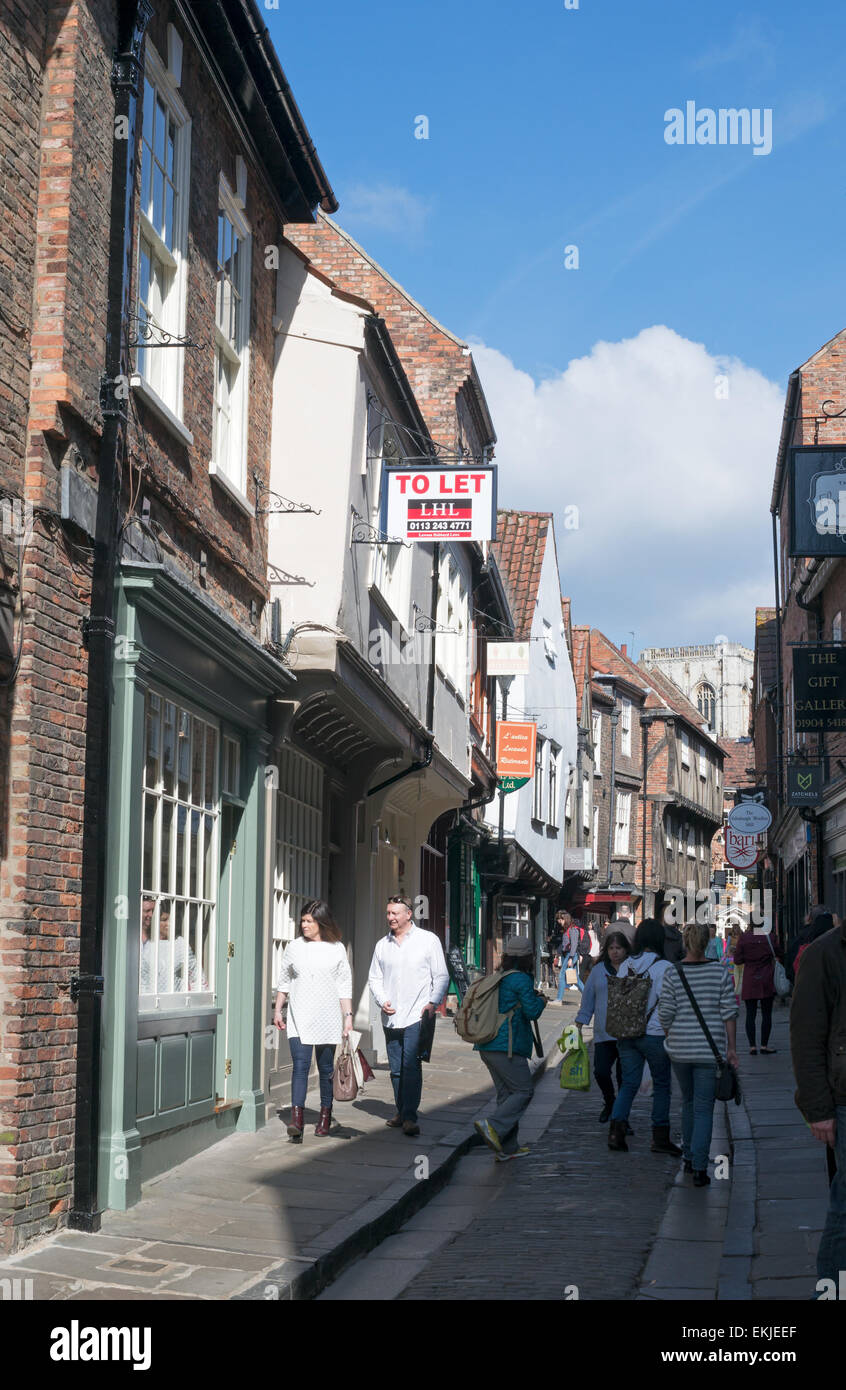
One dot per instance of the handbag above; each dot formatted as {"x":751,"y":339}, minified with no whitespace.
{"x":728,"y":1081}
{"x":781,"y":984}
{"x":344,"y":1084}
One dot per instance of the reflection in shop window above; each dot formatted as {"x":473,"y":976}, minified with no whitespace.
{"x":179,"y":853}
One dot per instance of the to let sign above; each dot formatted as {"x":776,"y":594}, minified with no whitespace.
{"x":430,"y":503}
{"x":515,"y":748}
{"x":819,"y":689}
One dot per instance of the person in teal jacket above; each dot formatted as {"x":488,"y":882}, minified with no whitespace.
{"x":510,"y":1075}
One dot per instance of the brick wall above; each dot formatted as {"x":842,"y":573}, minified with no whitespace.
{"x":57,"y":152}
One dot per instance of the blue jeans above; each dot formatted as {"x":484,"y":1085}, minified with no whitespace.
{"x":571,"y":963}
{"x":301,"y":1058}
{"x":698,"y":1084}
{"x":831,"y":1256}
{"x":406,"y":1070}
{"x":634,"y":1052}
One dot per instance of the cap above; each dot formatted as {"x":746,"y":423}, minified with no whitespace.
{"x":518,"y":946}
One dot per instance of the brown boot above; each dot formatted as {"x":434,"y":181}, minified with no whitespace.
{"x":617,"y":1136}
{"x":322,"y":1126}
{"x":295,"y":1124}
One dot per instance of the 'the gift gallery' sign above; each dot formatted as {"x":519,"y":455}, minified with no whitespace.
{"x":819,"y":689}
{"x":432,"y":503}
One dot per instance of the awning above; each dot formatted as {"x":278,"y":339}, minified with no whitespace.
{"x":599,"y":899}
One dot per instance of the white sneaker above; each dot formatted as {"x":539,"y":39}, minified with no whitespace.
{"x":520,"y":1153}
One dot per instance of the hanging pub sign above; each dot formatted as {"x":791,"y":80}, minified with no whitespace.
{"x":750,"y":816}
{"x":439,"y":503}
{"x":507,"y":658}
{"x":819,"y":688}
{"x":515,"y":751}
{"x":742,"y":851}
{"x":817,"y":501}
{"x":804,"y":784}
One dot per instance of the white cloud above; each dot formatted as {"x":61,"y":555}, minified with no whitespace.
{"x":672,"y":484}
{"x":385,"y":208}
{"x":748,"y":44}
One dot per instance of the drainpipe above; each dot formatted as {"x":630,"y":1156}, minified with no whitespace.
{"x":99,"y":627}
{"x":614,"y":721}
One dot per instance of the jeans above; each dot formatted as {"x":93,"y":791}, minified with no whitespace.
{"x":301,"y":1058}
{"x":406,"y":1070}
{"x":831,"y":1256}
{"x":571,"y":963}
{"x":633,"y":1053}
{"x":605,"y":1054}
{"x":698,"y":1084}
{"x":766,"y":1019}
{"x":513,"y":1082}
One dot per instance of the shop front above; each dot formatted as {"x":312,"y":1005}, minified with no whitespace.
{"x":186,"y":949}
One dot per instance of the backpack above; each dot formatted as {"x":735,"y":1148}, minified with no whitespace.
{"x":802,"y":949}
{"x":628,"y":998}
{"x":478,"y":1019}
{"x":584,"y":944}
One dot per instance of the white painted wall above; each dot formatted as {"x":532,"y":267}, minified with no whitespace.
{"x":547,"y":694}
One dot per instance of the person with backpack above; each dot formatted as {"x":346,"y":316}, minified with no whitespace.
{"x":583,"y":951}
{"x":687,"y":1043}
{"x":615,"y":949}
{"x":569,"y":957}
{"x":509,"y":1004}
{"x":632,"y":1017}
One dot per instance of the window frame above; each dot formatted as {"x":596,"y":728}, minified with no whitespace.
{"x":626,"y":727}
{"x":166,"y":388}
{"x":552,"y":783}
{"x":684,"y":740}
{"x":622,"y":823}
{"x":220,"y":467}
{"x":390,"y":564}
{"x":539,"y":780}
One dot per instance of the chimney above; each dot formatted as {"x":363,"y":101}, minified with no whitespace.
{"x":624,"y":649}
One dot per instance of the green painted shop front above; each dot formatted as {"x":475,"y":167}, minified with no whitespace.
{"x":186,"y":949}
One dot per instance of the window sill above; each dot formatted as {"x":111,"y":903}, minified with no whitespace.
{"x":231,"y":489}
{"x":153,"y":400}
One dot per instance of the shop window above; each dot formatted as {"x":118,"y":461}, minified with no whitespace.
{"x":299,"y":845}
{"x":179,"y":854}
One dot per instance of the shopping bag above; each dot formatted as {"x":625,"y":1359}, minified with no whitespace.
{"x":575,"y":1068}
{"x":571,"y":975}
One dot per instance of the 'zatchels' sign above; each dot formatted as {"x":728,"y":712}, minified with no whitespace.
{"x":819,"y":689}
{"x":433,"y":503}
{"x":817,"y":501}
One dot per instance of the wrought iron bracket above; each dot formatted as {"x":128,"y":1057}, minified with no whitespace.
{"x":365,"y":534}
{"x":277,"y":576}
{"x":149,"y":333}
{"x":279,"y":505}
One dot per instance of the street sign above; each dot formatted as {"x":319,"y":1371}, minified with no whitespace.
{"x":804,"y":784}
{"x":433,"y":503}
{"x":507,"y":658}
{"x":750,"y":818}
{"x":742,"y":851}
{"x":515,"y":748}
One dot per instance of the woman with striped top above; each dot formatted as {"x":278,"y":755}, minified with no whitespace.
{"x":687,"y":1046}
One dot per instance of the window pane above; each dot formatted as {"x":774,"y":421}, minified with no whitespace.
{"x":197,"y":745}
{"x":184,"y":753}
{"x":149,"y":843}
{"x":146,"y":177}
{"x":181,"y":856}
{"x":149,"y":110}
{"x":208,"y":859}
{"x":211,"y":765}
{"x":158,"y":199}
{"x":161,"y":127}
{"x":193,"y":890}
{"x":171,"y":149}
{"x":165,"y":853}
{"x":168,"y":221}
{"x":168,"y":748}
{"x":151,"y":766}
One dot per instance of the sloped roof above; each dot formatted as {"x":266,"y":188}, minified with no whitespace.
{"x":662,"y":692}
{"x":519,"y":550}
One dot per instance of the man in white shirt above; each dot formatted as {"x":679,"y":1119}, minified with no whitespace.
{"x":408,"y":978}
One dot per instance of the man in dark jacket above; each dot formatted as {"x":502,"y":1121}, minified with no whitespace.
{"x":818,"y":1044}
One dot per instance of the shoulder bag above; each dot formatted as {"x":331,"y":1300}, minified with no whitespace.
{"x":344,"y":1083}
{"x":728,"y":1081}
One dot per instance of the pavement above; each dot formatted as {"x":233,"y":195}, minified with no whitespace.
{"x":370,"y":1214}
{"x":259,"y":1217}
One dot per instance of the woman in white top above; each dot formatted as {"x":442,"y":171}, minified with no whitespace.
{"x":316,"y":982}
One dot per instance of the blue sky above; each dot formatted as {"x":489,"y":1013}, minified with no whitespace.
{"x":546,"y":129}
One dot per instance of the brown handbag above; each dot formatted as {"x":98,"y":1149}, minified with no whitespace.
{"x":344,"y":1084}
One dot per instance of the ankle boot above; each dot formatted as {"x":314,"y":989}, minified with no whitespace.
{"x":295,"y":1124}
{"x":662,"y":1143}
{"x":617,"y":1136}
{"x":322,"y":1126}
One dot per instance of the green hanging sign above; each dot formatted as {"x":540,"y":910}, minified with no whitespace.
{"x":512,"y":784}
